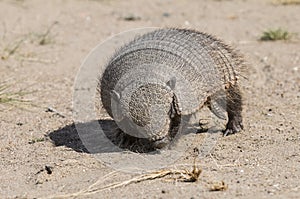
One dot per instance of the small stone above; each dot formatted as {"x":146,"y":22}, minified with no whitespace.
{"x":48,"y":169}
{"x":131,"y":17}
{"x":20,"y":124}
{"x":166,"y":14}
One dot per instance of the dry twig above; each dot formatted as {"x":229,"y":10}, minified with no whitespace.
{"x":180,"y":175}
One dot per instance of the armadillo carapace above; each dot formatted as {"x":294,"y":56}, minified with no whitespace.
{"x":157,"y":78}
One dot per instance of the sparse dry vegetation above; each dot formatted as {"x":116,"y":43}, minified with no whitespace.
{"x":14,"y":47}
{"x":11,"y":48}
{"x":287,"y":2}
{"x":275,"y":34}
{"x":10,"y":98}
{"x":46,"y":38}
{"x":181,"y":175}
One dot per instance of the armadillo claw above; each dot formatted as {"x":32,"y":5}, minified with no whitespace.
{"x":233,"y":126}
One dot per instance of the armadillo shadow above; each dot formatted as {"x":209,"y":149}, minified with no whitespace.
{"x":98,"y":136}
{"x":104,"y":136}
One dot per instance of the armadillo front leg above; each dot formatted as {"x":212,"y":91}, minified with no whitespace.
{"x":234,"y":110}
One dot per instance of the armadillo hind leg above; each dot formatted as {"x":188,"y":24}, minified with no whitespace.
{"x":234,"y":110}
{"x":217,"y":105}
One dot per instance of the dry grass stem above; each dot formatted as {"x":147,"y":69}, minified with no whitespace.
{"x":11,"y":49}
{"x":37,"y":60}
{"x":237,"y":164}
{"x":39,"y":38}
{"x":45,"y":38}
{"x":13,"y":99}
{"x":181,"y":175}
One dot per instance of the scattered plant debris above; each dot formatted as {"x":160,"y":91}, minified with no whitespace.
{"x":36,"y":140}
{"x":287,"y":2}
{"x":181,"y":175}
{"x":218,"y":186}
{"x":11,"y":98}
{"x":276,"y":34}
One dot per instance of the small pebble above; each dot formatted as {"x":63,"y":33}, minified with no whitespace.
{"x":295,"y":69}
{"x":48,"y":169}
{"x":131,"y":17}
{"x":166,"y":14}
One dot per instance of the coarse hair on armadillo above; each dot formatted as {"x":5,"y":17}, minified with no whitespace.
{"x":229,"y":62}
{"x":205,"y":69}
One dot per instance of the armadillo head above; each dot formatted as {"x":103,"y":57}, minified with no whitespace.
{"x":146,"y":111}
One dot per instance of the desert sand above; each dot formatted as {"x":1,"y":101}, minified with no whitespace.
{"x":44,"y":43}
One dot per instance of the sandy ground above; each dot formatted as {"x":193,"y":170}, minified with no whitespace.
{"x":262,"y":161}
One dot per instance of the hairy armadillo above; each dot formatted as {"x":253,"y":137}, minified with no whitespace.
{"x":157,"y":78}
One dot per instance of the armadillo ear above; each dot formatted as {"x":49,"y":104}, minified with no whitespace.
{"x":171,"y":83}
{"x":115,"y":96}
{"x":115,"y":106}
